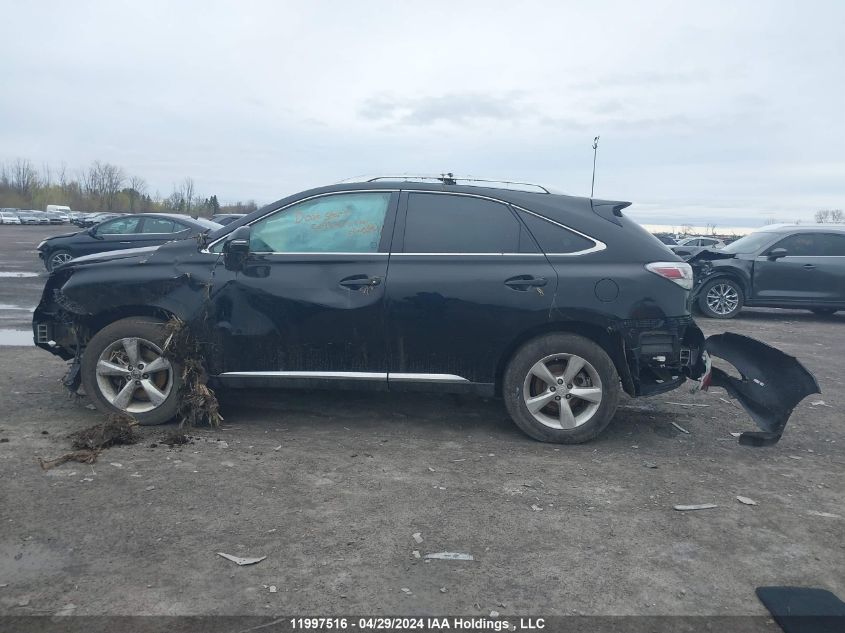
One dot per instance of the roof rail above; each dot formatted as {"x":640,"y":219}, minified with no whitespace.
{"x":451,"y":179}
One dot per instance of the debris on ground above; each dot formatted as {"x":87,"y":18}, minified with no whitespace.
{"x":827,"y":515}
{"x":150,"y":488}
{"x":536,"y":508}
{"x":416,"y":553}
{"x":697,"y":506}
{"x":735,"y":434}
{"x":89,"y":443}
{"x":746,"y":501}
{"x":820,"y":403}
{"x":443,"y":589}
{"x":417,"y":537}
{"x":175,"y":438}
{"x":650,"y":465}
{"x":680,"y":428}
{"x":450,"y":556}
{"x":688,"y":404}
{"x":198,"y":403}
{"x":405,"y":590}
{"x":241,"y":561}
{"x":494,"y":614}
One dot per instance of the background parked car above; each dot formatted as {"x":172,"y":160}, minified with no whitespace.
{"x":42,"y":217}
{"x":27,"y":217}
{"x":121,"y":232}
{"x":788,"y":266}
{"x":226,"y":218}
{"x":690,"y":246}
{"x":56,"y":217}
{"x":9,"y":216}
{"x":95,"y":218}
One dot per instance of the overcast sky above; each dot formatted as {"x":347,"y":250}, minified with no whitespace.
{"x":708,"y":112}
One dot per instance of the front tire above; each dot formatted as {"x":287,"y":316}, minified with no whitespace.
{"x":721,"y":299}
{"x":824,"y":311}
{"x":561,"y":388}
{"x":56,"y":259}
{"x":124,"y":371}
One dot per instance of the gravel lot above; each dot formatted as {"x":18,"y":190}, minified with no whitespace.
{"x":331,"y":488}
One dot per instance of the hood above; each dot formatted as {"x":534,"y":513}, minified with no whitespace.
{"x":708,"y":254}
{"x":111,"y":255}
{"x":53,"y":237}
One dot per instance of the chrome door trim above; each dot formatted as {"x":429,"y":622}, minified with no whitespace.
{"x":331,"y":375}
{"x":411,"y":377}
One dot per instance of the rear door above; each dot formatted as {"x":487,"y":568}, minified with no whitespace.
{"x":802,"y":277}
{"x":158,"y":230}
{"x":465,"y":279}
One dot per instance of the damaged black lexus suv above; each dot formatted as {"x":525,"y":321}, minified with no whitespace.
{"x":554,"y":303}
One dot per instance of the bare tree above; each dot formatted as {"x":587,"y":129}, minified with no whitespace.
{"x":836,"y":215}
{"x":187,"y":193}
{"x":137,"y":189}
{"x":822,"y":216}
{"x":710,"y":229}
{"x":24,"y":177}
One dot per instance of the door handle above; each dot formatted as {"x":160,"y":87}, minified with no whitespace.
{"x":359,"y":281}
{"x":809,"y":266}
{"x":524,"y":282}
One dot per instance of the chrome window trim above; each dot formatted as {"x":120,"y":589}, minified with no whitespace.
{"x":348,"y":375}
{"x":467,"y":254}
{"x":287,"y":206}
{"x":335,"y":375}
{"x":598,"y":244}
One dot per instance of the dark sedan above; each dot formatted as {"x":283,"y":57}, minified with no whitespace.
{"x":787,"y":266}
{"x":126,"y":231}
{"x":226,"y":218}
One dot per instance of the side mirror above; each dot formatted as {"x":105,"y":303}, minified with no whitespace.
{"x":92,"y":231}
{"x":236,"y":248}
{"x":777,"y":254}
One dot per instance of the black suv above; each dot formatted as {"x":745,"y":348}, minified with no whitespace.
{"x":784,"y":266}
{"x":554,"y":303}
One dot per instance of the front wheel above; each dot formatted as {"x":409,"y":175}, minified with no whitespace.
{"x":561,"y":388}
{"x":721,"y":299}
{"x":823,"y":311}
{"x":124,"y":370}
{"x":56,"y":259}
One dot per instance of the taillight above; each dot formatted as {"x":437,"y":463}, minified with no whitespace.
{"x":678,"y":272}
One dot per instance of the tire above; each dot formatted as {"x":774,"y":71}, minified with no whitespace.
{"x":555,"y":352}
{"x":823,"y":311}
{"x":732,"y":299}
{"x":107,"y":385}
{"x":54,"y":259}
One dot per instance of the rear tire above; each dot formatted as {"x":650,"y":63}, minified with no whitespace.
{"x":555,"y":371}
{"x":721,"y":299}
{"x":824,"y":311}
{"x":125,"y":372}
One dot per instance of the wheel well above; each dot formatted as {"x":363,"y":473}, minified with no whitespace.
{"x":725,"y":275}
{"x":610,"y":342}
{"x":97,"y":322}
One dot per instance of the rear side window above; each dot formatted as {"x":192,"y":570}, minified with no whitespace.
{"x":832,"y":244}
{"x":160,"y":225}
{"x":553,"y":238}
{"x":121,"y":226}
{"x":442,"y":223}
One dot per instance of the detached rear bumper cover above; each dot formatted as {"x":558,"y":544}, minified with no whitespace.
{"x":772,"y":384}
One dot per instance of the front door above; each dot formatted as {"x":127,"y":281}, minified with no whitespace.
{"x":112,"y":235}
{"x":465,"y":278}
{"x":803,"y":276}
{"x":308,"y":304}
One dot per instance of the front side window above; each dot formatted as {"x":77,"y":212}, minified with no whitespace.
{"x":120,"y":226}
{"x":340,"y":223}
{"x":799,"y":245}
{"x":440,"y":223}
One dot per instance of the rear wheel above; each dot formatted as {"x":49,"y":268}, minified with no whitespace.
{"x":561,"y":388}
{"x":721,"y":299}
{"x":124,"y":370}
{"x":823,"y":311}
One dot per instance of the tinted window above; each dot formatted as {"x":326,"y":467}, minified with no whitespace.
{"x":121,"y":226}
{"x":160,"y":225}
{"x":832,"y":244}
{"x":751,"y":243}
{"x":800,"y":245}
{"x":553,"y":238}
{"x":341,"y":223}
{"x":706,"y":242}
{"x":438,"y":223}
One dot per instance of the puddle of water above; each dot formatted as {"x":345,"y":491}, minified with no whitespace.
{"x":8,"y":274}
{"x":16,"y":337}
{"x":11,"y":306}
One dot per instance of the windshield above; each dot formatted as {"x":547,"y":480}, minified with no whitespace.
{"x":750,"y":243}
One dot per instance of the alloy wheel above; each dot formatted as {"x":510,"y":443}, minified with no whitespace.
{"x":722,"y":299}
{"x":59,"y":258}
{"x":562,"y":391}
{"x":134,"y":376}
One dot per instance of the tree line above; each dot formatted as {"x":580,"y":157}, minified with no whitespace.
{"x":102,"y":187}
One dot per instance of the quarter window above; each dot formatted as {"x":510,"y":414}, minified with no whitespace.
{"x":553,"y":238}
{"x":832,"y":244}
{"x":341,"y":223}
{"x":160,"y":225}
{"x":442,"y":223}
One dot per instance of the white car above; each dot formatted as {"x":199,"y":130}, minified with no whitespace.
{"x":9,"y":217}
